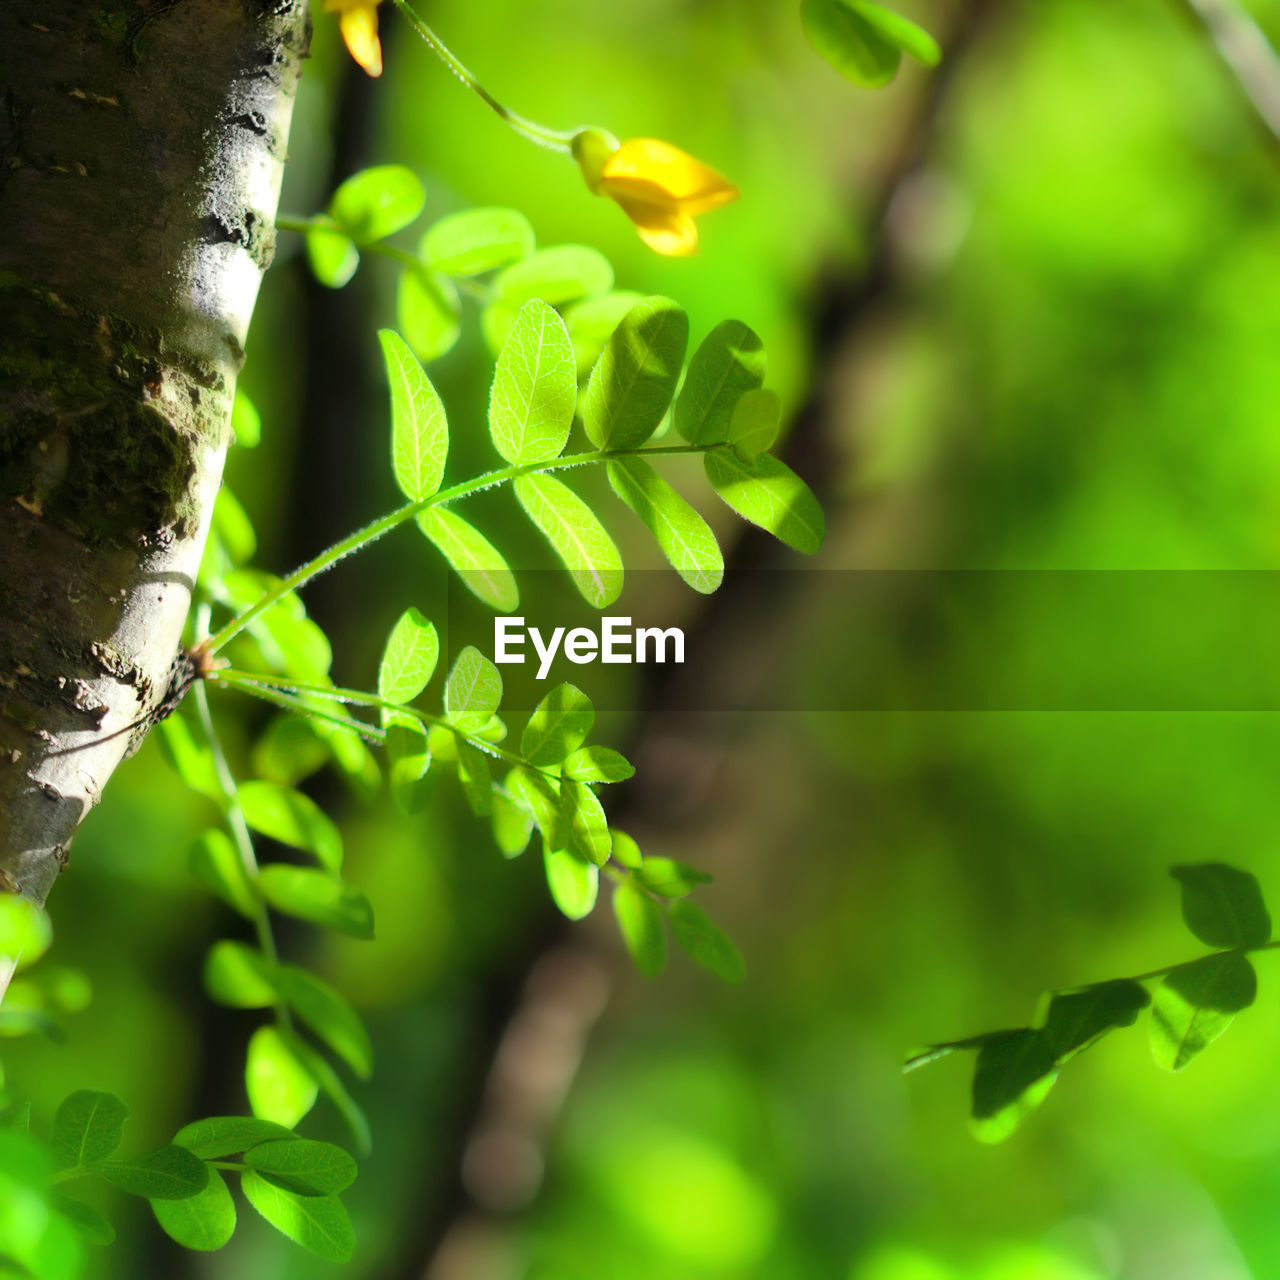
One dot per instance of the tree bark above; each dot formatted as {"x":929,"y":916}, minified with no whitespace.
{"x":141,"y":150}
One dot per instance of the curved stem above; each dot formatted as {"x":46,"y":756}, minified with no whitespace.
{"x":376,"y":529}
{"x":553,"y":139}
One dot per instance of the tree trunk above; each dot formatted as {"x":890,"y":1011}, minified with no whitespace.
{"x":141,"y":149}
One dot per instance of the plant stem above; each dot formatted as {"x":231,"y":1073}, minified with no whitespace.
{"x":552,"y":139}
{"x":371,"y":532}
{"x":234,"y":815}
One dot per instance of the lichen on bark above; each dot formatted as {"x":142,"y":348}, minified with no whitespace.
{"x":141,"y":148}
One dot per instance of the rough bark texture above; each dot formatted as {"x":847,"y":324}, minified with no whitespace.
{"x":141,"y":148}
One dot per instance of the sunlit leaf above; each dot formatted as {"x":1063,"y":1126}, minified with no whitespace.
{"x":557,"y":275}
{"x":293,"y":819}
{"x":332,"y":255}
{"x":626,"y":853}
{"x":512,"y":826}
{"x":597,"y":764}
{"x":865,"y":41}
{"x":535,"y":388}
{"x":409,"y":658}
{"x":1196,"y":1003}
{"x":419,"y":429}
{"x":204,"y":1221}
{"x":216,"y":863}
{"x":768,"y":493}
{"x":669,"y":878}
{"x":474,"y":241}
{"x":640,"y":922}
{"x":322,"y":1009}
{"x":576,"y":535}
{"x":473,"y":690}
{"x":558,"y":725}
{"x":633,"y":381}
{"x":593,"y":320}
{"x":541,"y":796}
{"x":573,"y":882}
{"x":377,"y":202}
{"x":754,"y":425}
{"x":683,"y":536}
{"x":280,"y":1085}
{"x":331,"y":1086}
{"x":481,"y":568}
{"x":317,"y":1223}
{"x":428,"y":313}
{"x":239,"y":976}
{"x":317,"y":896}
{"x":1014,"y":1073}
{"x":729,"y":362}
{"x":476,"y":777}
{"x":218,"y":1136}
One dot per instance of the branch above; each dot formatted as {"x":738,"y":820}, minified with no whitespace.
{"x":1246,"y":53}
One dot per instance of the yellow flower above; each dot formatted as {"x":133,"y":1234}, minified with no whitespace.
{"x":358,"y":22}
{"x":658,"y":186}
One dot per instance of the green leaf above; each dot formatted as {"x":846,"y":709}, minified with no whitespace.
{"x":597,"y":764}
{"x":535,"y":388}
{"x":557,"y":275}
{"x":1196,"y":1003}
{"x":473,"y":690}
{"x":409,"y":659}
{"x":87,"y":1221}
{"x":730,"y":362}
{"x":754,"y":425}
{"x":768,"y":493}
{"x":89,"y":1126}
{"x":234,"y":527}
{"x":419,"y":429}
{"x":377,"y":202}
{"x":541,"y":796}
{"x":573,"y":883}
{"x":25,"y":930}
{"x":683,"y":536}
{"x":670,"y":879}
{"x":281,"y":1086}
{"x":1076,"y":1019}
{"x":1013,"y":1076}
{"x":474,"y":241}
{"x":289,"y":750}
{"x":306,"y":1167}
{"x":293,"y":819}
{"x":899,"y":31}
{"x":640,"y":921}
{"x":408,"y":760}
{"x":204,"y":1221}
{"x":476,"y":777}
{"x":584,"y":816}
{"x":216,"y":864}
{"x":428,"y":313}
{"x":246,"y":421}
{"x":705,"y":942}
{"x":863,"y":41}
{"x":626,"y":853}
{"x":333,"y":257}
{"x":558,"y":725}
{"x":1223,"y":907}
{"x":480,"y":566}
{"x":512,"y":826}
{"x":634,"y":379}
{"x":238,"y":976}
{"x":218,"y":1136}
{"x":333,"y":1089}
{"x":172,"y":1173}
{"x":593,"y":320}
{"x":192,"y":760}
{"x":577,"y":537}
{"x":327,"y":1014}
{"x":317,"y":1223}
{"x":317,"y":896}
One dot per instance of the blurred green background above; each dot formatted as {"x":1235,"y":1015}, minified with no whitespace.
{"x":1064,"y":356}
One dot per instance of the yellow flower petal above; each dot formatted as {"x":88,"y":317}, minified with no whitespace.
{"x":670,"y":232}
{"x":359,"y":26}
{"x":687,"y":182}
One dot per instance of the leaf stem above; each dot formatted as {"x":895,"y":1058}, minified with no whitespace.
{"x":376,"y":529}
{"x":553,"y":139}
